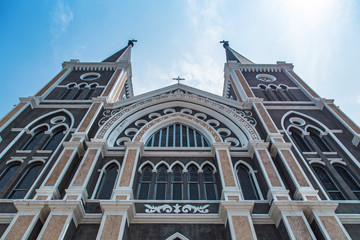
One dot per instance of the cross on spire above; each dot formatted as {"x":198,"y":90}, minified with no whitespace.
{"x":225,"y":43}
{"x":178,"y":79}
{"x":131,"y":42}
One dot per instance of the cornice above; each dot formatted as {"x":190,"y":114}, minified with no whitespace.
{"x":95,"y":66}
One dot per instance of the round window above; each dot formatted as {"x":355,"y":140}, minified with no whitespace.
{"x":90,"y":76}
{"x":265,"y":77}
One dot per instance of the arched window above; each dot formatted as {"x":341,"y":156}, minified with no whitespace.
{"x":247,"y":183}
{"x":193,"y":184}
{"x":210,"y":184}
{"x":54,"y":140}
{"x":34,"y":141}
{"x":328,"y":183}
{"x":161,"y":183}
{"x":320,"y":142}
{"x":68,"y":91}
{"x":177,"y":184}
{"x":145,"y":183}
{"x":267,"y":96}
{"x":274,"y":89}
{"x":301,"y":142}
{"x":7,"y":174}
{"x":284,"y":90}
{"x":78,"y":92}
{"x":349,"y":179}
{"x":90,"y":91}
{"x":25,"y":182}
{"x":177,"y":135}
{"x":107,"y":183}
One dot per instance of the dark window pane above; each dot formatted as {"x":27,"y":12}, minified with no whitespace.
{"x":320,"y":142}
{"x":247,"y":184}
{"x":107,"y":183}
{"x":25,"y":182}
{"x":301,"y":142}
{"x":328,"y":183}
{"x":144,"y":191}
{"x":34,"y":141}
{"x":177,"y":191}
{"x":160,"y":191}
{"x":7,"y":174}
{"x":54,"y":141}
{"x":194,"y":191}
{"x":210,"y":184}
{"x":210,"y":191}
{"x":349,"y":179}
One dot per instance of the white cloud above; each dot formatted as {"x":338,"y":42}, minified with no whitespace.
{"x":61,"y":18}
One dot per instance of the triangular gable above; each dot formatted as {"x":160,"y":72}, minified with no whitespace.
{"x":176,"y":236}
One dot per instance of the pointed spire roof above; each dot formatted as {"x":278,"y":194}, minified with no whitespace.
{"x":232,"y":55}
{"x":124,"y":55}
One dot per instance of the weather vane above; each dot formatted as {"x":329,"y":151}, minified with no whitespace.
{"x":178,"y":79}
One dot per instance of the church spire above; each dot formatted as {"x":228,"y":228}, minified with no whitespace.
{"x":232,"y":55}
{"x":124,"y":55}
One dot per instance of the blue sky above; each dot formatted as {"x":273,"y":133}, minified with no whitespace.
{"x":320,"y":37}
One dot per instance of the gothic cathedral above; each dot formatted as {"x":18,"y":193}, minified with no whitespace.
{"x":269,"y":159}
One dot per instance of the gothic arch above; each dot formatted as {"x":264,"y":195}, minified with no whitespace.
{"x":180,"y":99}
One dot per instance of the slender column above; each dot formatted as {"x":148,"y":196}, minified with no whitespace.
{"x":239,"y":220}
{"x":277,"y":190}
{"x":62,"y":220}
{"x":230,"y":191}
{"x":133,"y":151}
{"x":27,"y":221}
{"x":77,"y":187}
{"x":114,"y":219}
{"x":115,"y":85}
{"x":245,"y":86}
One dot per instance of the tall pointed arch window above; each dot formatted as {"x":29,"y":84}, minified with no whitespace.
{"x":90,"y":92}
{"x":177,"y":135}
{"x":193,"y":184}
{"x":301,"y":142}
{"x":145,"y":183}
{"x":328,"y":183}
{"x":25,"y":182}
{"x":247,"y":183}
{"x":177,"y":183}
{"x":107,"y":182}
{"x":324,"y":147}
{"x":68,"y":90}
{"x":54,"y":140}
{"x":349,"y":179}
{"x":210,"y":184}
{"x":34,"y":140}
{"x":78,"y":92}
{"x":7,"y":174}
{"x":161,"y":183}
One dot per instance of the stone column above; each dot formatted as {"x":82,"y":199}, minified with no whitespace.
{"x":27,"y":222}
{"x":231,"y":190}
{"x":277,"y":190}
{"x":50,"y":187}
{"x":62,"y":220}
{"x":328,"y":223}
{"x":291,"y":216}
{"x":239,"y":220}
{"x":304,"y":189}
{"x":114,"y":220}
{"x":77,"y":188}
{"x":133,"y":151}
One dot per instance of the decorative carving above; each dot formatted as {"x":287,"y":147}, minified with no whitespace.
{"x":247,"y":115}
{"x":177,"y":208}
{"x":108,"y":114}
{"x":184,"y":97}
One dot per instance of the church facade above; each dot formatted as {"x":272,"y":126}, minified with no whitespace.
{"x":269,"y":159}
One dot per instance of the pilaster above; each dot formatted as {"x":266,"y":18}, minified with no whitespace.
{"x":226,"y":171}
{"x":239,"y":219}
{"x":123,"y":189}
{"x":77,"y":187}
{"x":113,"y":223}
